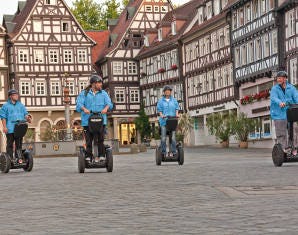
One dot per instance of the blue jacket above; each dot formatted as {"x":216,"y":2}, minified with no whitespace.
{"x":168,"y":108}
{"x":12,"y":113}
{"x":277,"y":96}
{"x":93,"y":102}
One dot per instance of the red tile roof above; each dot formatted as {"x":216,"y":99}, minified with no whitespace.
{"x":102,"y":40}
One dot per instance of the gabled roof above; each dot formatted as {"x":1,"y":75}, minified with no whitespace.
{"x":186,"y":13}
{"x":15,"y":24}
{"x":101,"y":39}
{"x":123,"y":23}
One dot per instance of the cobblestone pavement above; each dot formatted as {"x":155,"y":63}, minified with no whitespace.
{"x":216,"y":191}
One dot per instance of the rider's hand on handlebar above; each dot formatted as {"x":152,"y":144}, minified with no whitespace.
{"x":282,"y":104}
{"x":86,"y":111}
{"x":29,"y":118}
{"x":104,"y":111}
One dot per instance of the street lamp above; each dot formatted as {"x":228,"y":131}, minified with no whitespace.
{"x":66,"y":100}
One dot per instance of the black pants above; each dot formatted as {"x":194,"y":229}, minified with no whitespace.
{"x":89,"y":139}
{"x":10,"y":138}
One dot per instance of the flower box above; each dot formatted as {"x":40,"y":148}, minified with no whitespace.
{"x":174,"y":67}
{"x":161,"y":70}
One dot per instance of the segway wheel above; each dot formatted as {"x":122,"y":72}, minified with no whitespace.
{"x":158,"y":156}
{"x":81,"y":161}
{"x":180,"y":155}
{"x":109,"y":160}
{"x":278,"y":155}
{"x":5,"y":163}
{"x":29,"y":161}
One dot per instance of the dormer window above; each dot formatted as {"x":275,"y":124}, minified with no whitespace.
{"x":160,"y":34}
{"x":201,"y":15}
{"x":173,"y":26}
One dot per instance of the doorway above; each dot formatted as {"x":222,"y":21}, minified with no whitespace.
{"x":127,"y":133}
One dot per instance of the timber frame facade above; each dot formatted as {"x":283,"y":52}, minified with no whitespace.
{"x":208,"y":67}
{"x":257,"y":48}
{"x":47,"y":50}
{"x":161,"y":58}
{"x":118,"y":64}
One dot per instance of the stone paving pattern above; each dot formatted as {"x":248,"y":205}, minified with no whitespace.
{"x":216,"y":191}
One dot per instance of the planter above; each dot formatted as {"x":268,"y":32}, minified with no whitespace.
{"x":225,"y":144}
{"x":243,"y":145}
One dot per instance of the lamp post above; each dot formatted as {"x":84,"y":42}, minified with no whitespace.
{"x":66,"y":100}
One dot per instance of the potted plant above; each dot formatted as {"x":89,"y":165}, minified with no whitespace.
{"x":219,"y":125}
{"x":242,"y":126}
{"x":185,"y":124}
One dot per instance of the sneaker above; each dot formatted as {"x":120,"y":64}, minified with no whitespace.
{"x":20,"y":161}
{"x":287,"y":150}
{"x":294,"y":152}
{"x":88,"y":159}
{"x":101,"y":159}
{"x":96,"y":159}
{"x":170,"y":154}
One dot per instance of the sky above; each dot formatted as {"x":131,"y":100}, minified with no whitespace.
{"x":10,"y":6}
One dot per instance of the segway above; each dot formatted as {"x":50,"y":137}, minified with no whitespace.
{"x":171,"y":125}
{"x":278,"y":154}
{"x":95,"y":123}
{"x":22,"y":158}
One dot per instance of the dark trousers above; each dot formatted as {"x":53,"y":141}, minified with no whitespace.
{"x":10,"y":138}
{"x":89,"y":137}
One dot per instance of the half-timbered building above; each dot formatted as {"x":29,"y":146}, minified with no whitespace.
{"x":118,"y":64}
{"x":3,"y":76}
{"x":289,"y":11}
{"x":161,"y":58}
{"x":207,"y":67}
{"x":254,"y":35}
{"x":47,"y":50}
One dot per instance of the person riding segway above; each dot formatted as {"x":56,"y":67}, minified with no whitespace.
{"x":93,"y":103}
{"x":14,"y":117}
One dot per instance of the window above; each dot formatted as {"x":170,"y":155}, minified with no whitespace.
{"x":247,"y":13}
{"x":227,"y":36}
{"x":146,"y":41}
{"x":38,"y":56}
{"x":71,"y":86}
{"x":160,"y":34}
{"x":258,"y":49}
{"x":266,"y":128}
{"x":53,"y":56}
{"x":221,"y":39}
{"x":173,"y":27}
{"x":148,"y":8}
{"x":65,"y":27}
{"x":67,"y":56}
{"x":117,"y":67}
{"x":237,"y":56}
{"x":132,"y":67}
{"x":293,"y":71}
{"x":120,"y":96}
{"x":23,"y":56}
{"x":50,"y":2}
{"x":164,"y":9}
{"x":25,"y":88}
{"x":216,"y":7}
{"x":274,"y":42}
{"x":263,"y":6}
{"x":82,"y":56}
{"x":291,"y":24}
{"x":213,"y":42}
{"x":209,"y":10}
{"x":243,"y":55}
{"x":255,"y":9}
{"x":271,"y":4}
{"x":134,"y":96}
{"x":250,"y":52}
{"x":266,"y":45}
{"x":82,"y":85}
{"x":40,"y":88}
{"x":156,"y":8}
{"x":241,"y":17}
{"x":55,"y":88}
{"x":200,"y":15}
{"x":235,"y":20}
{"x":37,"y":26}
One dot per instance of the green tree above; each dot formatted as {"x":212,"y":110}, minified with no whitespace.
{"x":111,"y":9}
{"x":124,"y":3}
{"x":143,"y":124}
{"x":88,"y":14}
